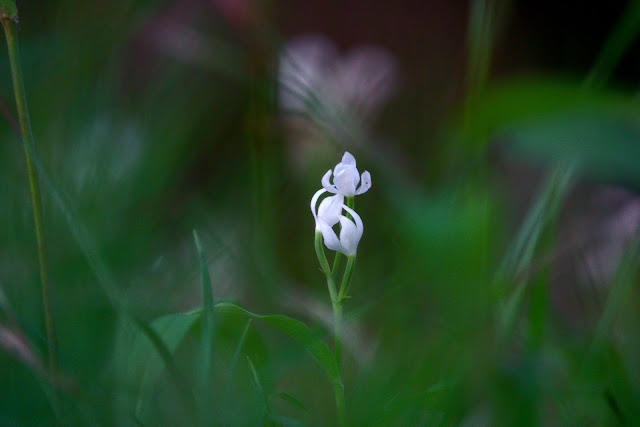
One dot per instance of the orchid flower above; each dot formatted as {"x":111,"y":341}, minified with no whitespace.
{"x":346,"y":178}
{"x":350,"y":233}
{"x":328,"y":215}
{"x":329,"y":209}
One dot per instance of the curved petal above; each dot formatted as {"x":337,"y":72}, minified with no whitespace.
{"x":348,"y":159}
{"x":327,"y":184}
{"x":344,"y":182}
{"x":330,"y":238}
{"x":355,"y":175}
{"x":314,"y":201}
{"x":349,"y":236}
{"x":358,"y":220}
{"x":330,"y":209}
{"x":365,"y":183}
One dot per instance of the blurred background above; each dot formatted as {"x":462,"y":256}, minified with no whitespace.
{"x":503,"y":142}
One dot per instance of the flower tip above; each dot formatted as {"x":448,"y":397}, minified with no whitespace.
{"x":326,"y":183}
{"x":365,"y":184}
{"x":348,"y":159}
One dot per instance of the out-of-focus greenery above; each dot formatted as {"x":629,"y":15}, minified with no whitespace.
{"x":152,"y":119}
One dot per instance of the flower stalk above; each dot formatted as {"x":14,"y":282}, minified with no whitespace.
{"x":333,"y":294}
{"x":346,"y":278}
{"x":337,"y":322}
{"x":8,"y":16}
{"x":327,"y":215}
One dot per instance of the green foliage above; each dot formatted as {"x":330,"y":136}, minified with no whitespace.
{"x":515,"y":101}
{"x":141,"y":361}
{"x":459,"y":313}
{"x":299,"y":332}
{"x":8,"y":9}
{"x":601,"y":143}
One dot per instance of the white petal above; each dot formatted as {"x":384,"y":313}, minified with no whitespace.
{"x":365,"y":183}
{"x":314,"y":200}
{"x":356,"y":217}
{"x":348,"y":159}
{"x":355,"y":175}
{"x":349,"y":235}
{"x":330,"y":209}
{"x":344,"y":182}
{"x":327,"y":184}
{"x":330,"y":238}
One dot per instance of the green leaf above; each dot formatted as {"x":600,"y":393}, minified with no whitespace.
{"x":8,"y":9}
{"x":143,"y":362}
{"x":512,"y":102}
{"x":256,"y":378}
{"x":299,"y":332}
{"x":260,"y":391}
{"x":619,"y":41}
{"x":522,"y":250}
{"x":208,"y":322}
{"x":236,"y":353}
{"x":285,"y":421}
{"x":288,"y":398}
{"x":604,"y":144}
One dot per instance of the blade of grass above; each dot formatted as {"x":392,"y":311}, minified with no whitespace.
{"x":106,"y":279}
{"x":619,"y":41}
{"x":236,"y":356}
{"x":9,"y":16}
{"x":257,"y":382}
{"x":292,"y":400}
{"x":520,"y":254}
{"x":208,"y":328}
{"x":166,"y":355}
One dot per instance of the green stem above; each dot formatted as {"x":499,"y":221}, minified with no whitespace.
{"x":337,"y":328}
{"x":333,"y":293}
{"x":337,"y":260}
{"x":324,"y":264}
{"x":34,"y":185}
{"x":336,"y":304}
{"x":338,"y":390}
{"x":351,"y":205}
{"x":346,"y":279}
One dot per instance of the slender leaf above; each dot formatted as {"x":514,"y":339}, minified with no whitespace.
{"x":285,"y":421}
{"x":256,"y":378}
{"x":604,"y":144}
{"x":521,"y":253}
{"x":510,"y":103}
{"x":299,"y":332}
{"x":288,"y":398}
{"x":619,"y":41}
{"x":208,"y":325}
{"x":236,"y":354}
{"x":148,"y":353}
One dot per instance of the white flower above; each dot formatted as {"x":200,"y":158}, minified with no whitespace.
{"x":350,"y":233}
{"x":346,"y":178}
{"x":329,"y":214}
{"x":329,"y":210}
